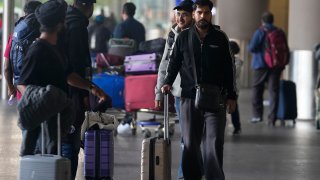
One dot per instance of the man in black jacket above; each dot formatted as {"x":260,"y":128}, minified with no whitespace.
{"x":75,"y":43}
{"x":214,"y":66}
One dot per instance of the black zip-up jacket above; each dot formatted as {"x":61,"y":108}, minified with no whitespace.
{"x":214,"y":62}
{"x":76,"y":45}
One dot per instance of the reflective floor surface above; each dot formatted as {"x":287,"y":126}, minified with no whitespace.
{"x":259,"y":153}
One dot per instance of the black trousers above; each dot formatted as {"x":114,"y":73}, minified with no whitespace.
{"x":31,"y":139}
{"x":260,"y":78}
{"x":205,"y":129}
{"x":235,"y":118}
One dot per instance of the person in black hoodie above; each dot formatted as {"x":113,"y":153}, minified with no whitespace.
{"x":75,"y":43}
{"x":44,"y":65}
{"x":214,"y":66}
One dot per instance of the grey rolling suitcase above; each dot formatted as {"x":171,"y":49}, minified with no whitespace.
{"x":156,"y":153}
{"x":45,"y":166}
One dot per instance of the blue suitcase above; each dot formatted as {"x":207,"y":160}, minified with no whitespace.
{"x":287,"y":104}
{"x":98,"y":154}
{"x":113,"y":85}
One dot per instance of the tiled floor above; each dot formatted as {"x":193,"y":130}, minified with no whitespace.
{"x":259,"y":153}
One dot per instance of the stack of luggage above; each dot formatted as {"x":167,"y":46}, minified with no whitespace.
{"x":128,"y":72}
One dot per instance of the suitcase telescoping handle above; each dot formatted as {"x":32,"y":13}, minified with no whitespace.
{"x":58,"y":134}
{"x":166,"y":116}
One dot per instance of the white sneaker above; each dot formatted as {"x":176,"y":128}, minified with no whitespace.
{"x":255,"y":120}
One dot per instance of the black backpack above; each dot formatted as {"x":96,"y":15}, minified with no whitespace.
{"x":25,"y":32}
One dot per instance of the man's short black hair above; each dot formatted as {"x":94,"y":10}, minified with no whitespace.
{"x":85,"y":1}
{"x":202,"y":3}
{"x":267,"y":17}
{"x":31,"y":6}
{"x":129,"y":8}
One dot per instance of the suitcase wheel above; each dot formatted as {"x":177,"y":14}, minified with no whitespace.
{"x":171,"y":129}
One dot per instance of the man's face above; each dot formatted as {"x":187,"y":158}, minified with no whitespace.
{"x":202,"y":16}
{"x":183,"y":19}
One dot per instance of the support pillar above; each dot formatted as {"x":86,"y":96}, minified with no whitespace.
{"x":239,"y":19}
{"x":303,"y":36}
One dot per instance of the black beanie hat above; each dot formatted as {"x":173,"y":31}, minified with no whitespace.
{"x":50,"y":13}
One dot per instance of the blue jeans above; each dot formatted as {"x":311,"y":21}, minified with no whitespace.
{"x":177,"y":107}
{"x":71,"y":148}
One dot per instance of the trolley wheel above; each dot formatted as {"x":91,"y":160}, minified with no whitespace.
{"x":134,"y":131}
{"x":146,"y":133}
{"x":115,"y":132}
{"x":171,"y":129}
{"x":133,"y":126}
{"x":160,"y":133}
{"x":318,"y":124}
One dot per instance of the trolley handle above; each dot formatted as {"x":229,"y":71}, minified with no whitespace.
{"x":166,"y":116}
{"x":58,"y":134}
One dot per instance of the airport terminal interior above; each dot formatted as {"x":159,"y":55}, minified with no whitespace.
{"x":286,"y":151}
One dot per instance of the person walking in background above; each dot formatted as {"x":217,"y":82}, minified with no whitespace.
{"x":99,"y":36}
{"x":235,"y":116}
{"x":111,"y":22}
{"x":130,"y":27}
{"x":263,"y":73}
{"x":210,"y":63}
{"x":183,"y":17}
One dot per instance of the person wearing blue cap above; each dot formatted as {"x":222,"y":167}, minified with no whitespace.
{"x":202,"y":56}
{"x":99,"y":36}
{"x":183,"y":19}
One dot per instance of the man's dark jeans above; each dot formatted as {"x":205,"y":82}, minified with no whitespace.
{"x":260,"y":78}
{"x":208,"y":128}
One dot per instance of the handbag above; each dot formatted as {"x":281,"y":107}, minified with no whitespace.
{"x":208,"y":97}
{"x":102,"y":120}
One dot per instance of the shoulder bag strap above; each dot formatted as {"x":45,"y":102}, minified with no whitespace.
{"x":192,"y":57}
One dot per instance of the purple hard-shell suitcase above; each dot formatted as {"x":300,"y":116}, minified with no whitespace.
{"x":141,"y":64}
{"x":99,"y":154}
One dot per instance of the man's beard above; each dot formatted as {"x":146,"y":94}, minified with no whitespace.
{"x":202,"y":24}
